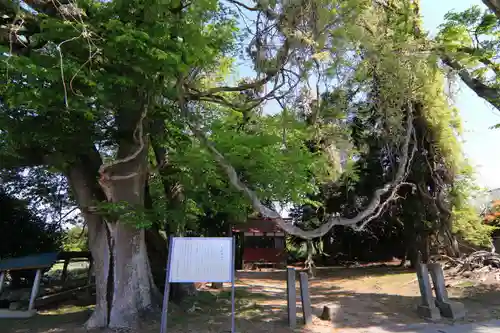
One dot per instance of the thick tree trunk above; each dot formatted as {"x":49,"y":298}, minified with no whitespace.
{"x":157,"y":255}
{"x":134,"y":292}
{"x":99,"y":247}
{"x":83,"y":186}
{"x":125,"y":289}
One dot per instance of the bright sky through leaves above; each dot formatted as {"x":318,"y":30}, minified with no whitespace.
{"x":477,"y":115}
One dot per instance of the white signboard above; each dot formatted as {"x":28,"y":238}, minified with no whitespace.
{"x":199,"y":259}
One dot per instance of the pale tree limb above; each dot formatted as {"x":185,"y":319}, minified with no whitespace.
{"x":494,"y":6}
{"x":492,"y":95}
{"x":105,"y":168}
{"x":282,"y":57}
{"x":332,"y":219}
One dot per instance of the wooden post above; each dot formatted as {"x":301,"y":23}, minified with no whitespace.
{"x":2,"y":279}
{"x":306,"y":300}
{"x":64,"y":274}
{"x":34,"y":291}
{"x":89,"y":276}
{"x":291,"y":297}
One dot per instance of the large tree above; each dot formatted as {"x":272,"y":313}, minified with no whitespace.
{"x":97,"y":84}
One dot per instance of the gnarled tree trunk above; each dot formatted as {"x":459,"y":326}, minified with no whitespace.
{"x":81,"y":177}
{"x":124,"y":286}
{"x":134,"y":292}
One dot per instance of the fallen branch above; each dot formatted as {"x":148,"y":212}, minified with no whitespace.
{"x":476,"y":261}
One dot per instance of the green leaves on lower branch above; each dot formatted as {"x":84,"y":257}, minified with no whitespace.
{"x":123,"y":212}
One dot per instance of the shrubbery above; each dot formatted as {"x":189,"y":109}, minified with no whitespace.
{"x":24,"y":233}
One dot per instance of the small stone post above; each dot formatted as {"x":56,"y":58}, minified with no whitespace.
{"x":291,"y":297}
{"x":306,"y":300}
{"x":448,"y":309}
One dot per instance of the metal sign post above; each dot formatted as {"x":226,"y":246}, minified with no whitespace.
{"x":233,"y":272}
{"x":200,"y":259}
{"x":166,"y":292}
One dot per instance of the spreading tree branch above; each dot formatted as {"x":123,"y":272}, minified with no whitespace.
{"x":105,"y":170}
{"x":494,"y":6}
{"x":492,"y":95}
{"x":332,"y":219}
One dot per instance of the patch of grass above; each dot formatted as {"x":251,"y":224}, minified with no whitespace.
{"x":76,"y":270}
{"x":465,"y":284}
{"x":47,"y":321}
{"x":67,"y":309}
{"x":209,"y":305}
{"x":243,"y":293}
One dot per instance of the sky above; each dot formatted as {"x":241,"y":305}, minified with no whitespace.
{"x":477,"y":115}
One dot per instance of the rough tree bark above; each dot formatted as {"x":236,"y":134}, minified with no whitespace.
{"x":124,"y":283}
{"x":309,"y":264}
{"x":134,"y":292}
{"x":494,"y":6}
{"x":490,"y":94}
{"x":82,"y":178}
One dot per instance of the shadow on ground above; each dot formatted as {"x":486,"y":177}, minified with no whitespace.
{"x":396,"y":313}
{"x":357,"y":272}
{"x":362,"y":311}
{"x":261,"y":307}
{"x":208,"y":312}
{"x":60,"y":322}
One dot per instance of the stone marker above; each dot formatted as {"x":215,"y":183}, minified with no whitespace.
{"x":448,"y":309}
{"x":306,"y":300}
{"x":427,"y":309}
{"x":329,"y":312}
{"x":291,"y":300}
{"x":14,"y":306}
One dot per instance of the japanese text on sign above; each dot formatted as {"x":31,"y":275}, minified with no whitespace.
{"x":198,"y":259}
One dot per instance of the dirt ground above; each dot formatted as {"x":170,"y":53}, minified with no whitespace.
{"x":363,"y":298}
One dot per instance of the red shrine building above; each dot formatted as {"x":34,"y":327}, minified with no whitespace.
{"x":262,"y":243}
